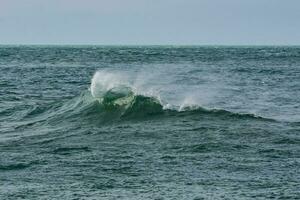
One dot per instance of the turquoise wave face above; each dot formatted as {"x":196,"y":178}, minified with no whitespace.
{"x":149,"y":122}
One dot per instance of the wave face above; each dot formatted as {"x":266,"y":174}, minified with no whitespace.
{"x":149,"y":122}
{"x":114,"y":94}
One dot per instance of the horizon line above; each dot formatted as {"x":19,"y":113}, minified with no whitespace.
{"x":90,"y":44}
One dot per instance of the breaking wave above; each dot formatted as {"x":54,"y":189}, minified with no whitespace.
{"x":111,"y":97}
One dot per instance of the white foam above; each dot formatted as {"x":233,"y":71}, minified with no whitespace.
{"x":103,"y":81}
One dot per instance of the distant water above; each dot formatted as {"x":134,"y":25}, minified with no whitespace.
{"x":156,"y":122}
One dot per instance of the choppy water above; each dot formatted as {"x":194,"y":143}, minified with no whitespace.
{"x":96,"y":122}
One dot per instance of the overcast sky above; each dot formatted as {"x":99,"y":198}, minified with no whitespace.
{"x":191,"y":22}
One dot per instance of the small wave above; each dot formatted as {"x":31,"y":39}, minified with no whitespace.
{"x":17,"y":166}
{"x":69,"y":150}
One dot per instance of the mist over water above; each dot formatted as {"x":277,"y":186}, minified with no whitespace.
{"x":156,"y":122}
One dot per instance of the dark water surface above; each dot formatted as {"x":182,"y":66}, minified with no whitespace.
{"x":156,"y":122}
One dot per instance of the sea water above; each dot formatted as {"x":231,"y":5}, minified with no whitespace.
{"x":149,"y":122}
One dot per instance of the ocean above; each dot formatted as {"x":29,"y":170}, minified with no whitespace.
{"x":149,"y":122}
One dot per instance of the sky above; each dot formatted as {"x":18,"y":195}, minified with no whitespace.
{"x":150,"y":22}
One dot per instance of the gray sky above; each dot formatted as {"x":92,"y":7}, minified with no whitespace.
{"x":191,"y":22}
